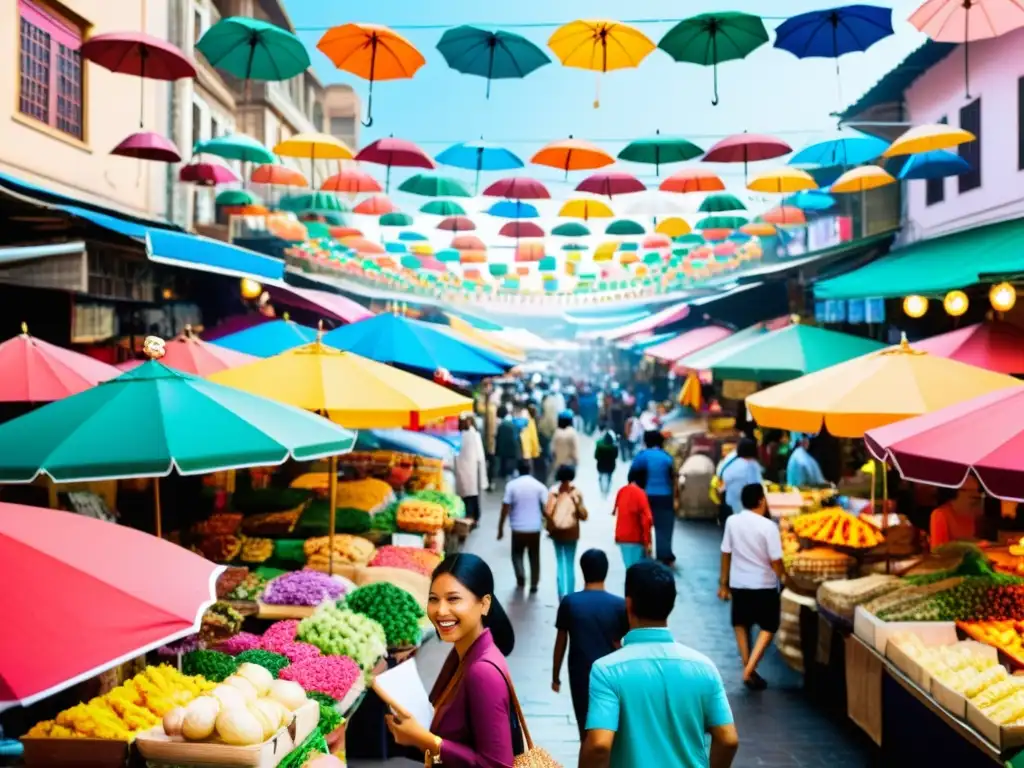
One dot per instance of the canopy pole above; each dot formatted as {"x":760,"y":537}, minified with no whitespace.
{"x":332,"y":485}
{"x":157,"y":513}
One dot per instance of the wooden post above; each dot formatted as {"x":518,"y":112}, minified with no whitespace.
{"x":156,"y":507}
{"x":332,"y":485}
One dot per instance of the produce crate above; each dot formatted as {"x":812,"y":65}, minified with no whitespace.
{"x":278,"y":612}
{"x":75,"y":753}
{"x":876,"y":633}
{"x":1004,"y":737}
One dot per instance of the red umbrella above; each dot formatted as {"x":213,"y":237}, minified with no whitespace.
{"x":784,"y":214}
{"x":351,"y":181}
{"x":394,"y":153}
{"x":278,"y":176}
{"x":518,"y":188}
{"x":746,"y":148}
{"x":611,"y":183}
{"x":693,"y":180}
{"x":457,"y":224}
{"x":995,"y":346}
{"x":520,"y":228}
{"x":363,"y":246}
{"x":36,"y":371}
{"x":200,"y":358}
{"x":341,"y":232}
{"x":652,"y":242}
{"x":468,"y":243}
{"x":207,"y":174}
{"x":377,"y":205}
{"x":109,"y":582}
{"x":147,"y":145}
{"x":712,"y":235}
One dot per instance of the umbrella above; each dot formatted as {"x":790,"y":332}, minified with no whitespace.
{"x":315,"y":146}
{"x":600,"y":46}
{"x":479,"y":156}
{"x":95,"y":564}
{"x":687,"y":343}
{"x":207,"y":174}
{"x":146,"y":145}
{"x":846,"y":150}
{"x":721,"y":222}
{"x":574,"y":247}
{"x":190,"y":354}
{"x":430,"y":185}
{"x":371,"y":52}
{"x":252,"y":49}
{"x":624,"y":227}
{"x":572,"y":155}
{"x":410,"y":262}
{"x":468,"y":243}
{"x":235,"y":146}
{"x":782,"y":180}
{"x":692,"y":180}
{"x":447,"y":255}
{"x":937,"y":164}
{"x":861,"y":179}
{"x":995,"y":346}
{"x":360,"y":245}
{"x":457,"y":224}
{"x":443,"y":208}
{"x":268,"y":339}
{"x":397,"y":153}
{"x":351,"y":181}
{"x":946,"y":21}
{"x":340,"y":233}
{"x":925,"y":138}
{"x":36,"y":371}
{"x":518,"y":188}
{"x":513,"y":209}
{"x":313,"y":201}
{"x":660,"y":150}
{"x":759,"y":229}
{"x":810,"y":200}
{"x":529,"y":251}
{"x":711,"y":38}
{"x":784,"y":215}
{"x":277,"y":176}
{"x":582,"y":208}
{"x":673,"y":227}
{"x":746,"y":148}
{"x":657,"y":240}
{"x":720,"y":203}
{"x":492,"y":55}
{"x":377,"y":205}
{"x":570,"y":229}
{"x":872,"y":391}
{"x":236,"y":197}
{"x":471,"y":257}
{"x":395,"y":219}
{"x":519,"y":229}
{"x":610,"y":183}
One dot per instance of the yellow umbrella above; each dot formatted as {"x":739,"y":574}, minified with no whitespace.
{"x":581,"y":208}
{"x":862,"y":179}
{"x":606,"y":250}
{"x":478,"y":338}
{"x":673,"y":227}
{"x":690,"y":394}
{"x":422,"y":249}
{"x":601,"y":46}
{"x":315,"y":146}
{"x":926,"y":138}
{"x":782,"y":181}
{"x":871,"y":391}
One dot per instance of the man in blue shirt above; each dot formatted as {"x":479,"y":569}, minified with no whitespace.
{"x":738,"y":471}
{"x":653,"y":701}
{"x":661,"y":488}
{"x":803,"y":470}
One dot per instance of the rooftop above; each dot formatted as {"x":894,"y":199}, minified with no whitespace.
{"x":892,"y":86}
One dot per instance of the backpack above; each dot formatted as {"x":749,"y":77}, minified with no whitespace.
{"x":563,"y":510}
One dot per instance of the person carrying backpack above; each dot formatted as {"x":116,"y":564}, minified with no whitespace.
{"x":564,"y":511}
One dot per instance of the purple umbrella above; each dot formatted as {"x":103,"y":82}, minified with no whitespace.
{"x":611,"y":183}
{"x":207,"y":174}
{"x":147,"y":145}
{"x":520,"y":228}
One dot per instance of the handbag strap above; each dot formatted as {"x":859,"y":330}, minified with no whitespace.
{"x":514,"y":701}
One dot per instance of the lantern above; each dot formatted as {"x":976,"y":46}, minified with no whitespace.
{"x":915,"y":306}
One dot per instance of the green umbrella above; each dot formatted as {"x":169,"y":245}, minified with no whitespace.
{"x":628,"y":247}
{"x":721,"y":222}
{"x":447,"y":255}
{"x":237,"y":197}
{"x":309,"y":201}
{"x":334,"y":218}
{"x":410,"y":262}
{"x":721,"y":202}
{"x":395,"y":219}
{"x":690,"y":238}
{"x":624,"y":227}
{"x":498,"y":270}
{"x":443,"y":208}
{"x":574,"y":247}
{"x":316,"y":229}
{"x":430,"y":185}
{"x":570,"y":229}
{"x":547,"y":264}
{"x":251,"y":49}
{"x":236,"y":146}
{"x":652,"y":257}
{"x":660,"y":150}
{"x":711,"y":38}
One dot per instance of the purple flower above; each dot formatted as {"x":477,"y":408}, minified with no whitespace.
{"x":183,"y":646}
{"x":302,"y":588}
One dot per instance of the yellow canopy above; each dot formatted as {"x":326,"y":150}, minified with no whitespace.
{"x":782,"y":181}
{"x":871,"y":391}
{"x":314,"y":146}
{"x":600,"y":45}
{"x":480,"y":338}
{"x":862,"y":179}
{"x":925,"y":138}
{"x":351,"y":390}
{"x":606,"y":250}
{"x":673,"y":227}
{"x":581,"y":208}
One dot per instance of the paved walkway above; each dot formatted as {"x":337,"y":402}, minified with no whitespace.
{"x":778,"y":727}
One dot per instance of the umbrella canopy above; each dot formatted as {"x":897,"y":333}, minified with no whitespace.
{"x":759,"y":229}
{"x":146,"y":145}
{"x":36,"y":371}
{"x":415,"y":345}
{"x":431,"y":185}
{"x":268,"y":339}
{"x":442,"y":208}
{"x":721,"y":222}
{"x":925,"y":138}
{"x":782,"y":180}
{"x":711,"y":38}
{"x":746,"y":148}
{"x":353,"y":391}
{"x":844,"y":151}
{"x":139,"y":54}
{"x":571,"y":229}
{"x":394,"y":153}
{"x":468,"y":243}
{"x":236,"y":197}
{"x":518,"y":188}
{"x":351,"y":181}
{"x":513,"y":209}
{"x":95,"y":564}
{"x":252,"y":49}
{"x":660,"y":150}
{"x":492,"y":55}
{"x":235,"y":146}
{"x":657,"y":240}
{"x":207,"y":174}
{"x":673,"y":227}
{"x":457,"y":224}
{"x":861,"y":179}
{"x":479,"y":156}
{"x":314,"y":146}
{"x":313,"y":201}
{"x":624,"y":227}
{"x":832,"y":33}
{"x":692,"y":180}
{"x":720,"y":203}
{"x":192,"y":355}
{"x":609,"y":183}
{"x":811,"y":200}
{"x":937,"y":164}
{"x":784,"y":215}
{"x":599,"y":46}
{"x":687,"y":343}
{"x":395,"y":219}
{"x":983,"y":435}
{"x":993,"y":346}
{"x":874,"y":390}
{"x":277,"y":176}
{"x":360,"y":245}
{"x":581,"y":208}
{"x":572,"y":155}
{"x":518,"y":229}
{"x":371,"y":52}
{"x":377,"y":205}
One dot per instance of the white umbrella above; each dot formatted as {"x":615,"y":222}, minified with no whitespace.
{"x":655,"y":203}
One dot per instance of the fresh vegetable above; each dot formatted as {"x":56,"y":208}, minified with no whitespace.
{"x":220,"y":620}
{"x":228,"y":696}
{"x":250,"y":588}
{"x":173,"y":721}
{"x":974,"y":598}
{"x":386,"y":521}
{"x":260,"y":677}
{"x":313,"y":745}
{"x":348,"y":550}
{"x":302,"y":588}
{"x":973,"y":563}
{"x":368,"y":494}
{"x":316,"y":519}
{"x":330,"y":717}
{"x":393,"y":608}
{"x":333,"y":675}
{"x":236,"y":644}
{"x":342,"y":632}
{"x":213,"y":665}
{"x":268,"y":660}
{"x":288,"y":694}
{"x":239,"y":726}
{"x":454,"y":506}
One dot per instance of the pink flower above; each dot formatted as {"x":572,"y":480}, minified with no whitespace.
{"x":296,"y":652}
{"x":243,"y":641}
{"x":278,"y":633}
{"x":333,"y":675}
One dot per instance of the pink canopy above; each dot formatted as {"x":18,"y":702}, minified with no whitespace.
{"x":687,"y":343}
{"x":325,"y":303}
{"x":670,"y":314}
{"x":995,"y":346}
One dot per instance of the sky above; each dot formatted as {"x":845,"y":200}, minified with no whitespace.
{"x":768,"y":92}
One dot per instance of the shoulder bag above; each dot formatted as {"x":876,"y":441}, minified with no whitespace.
{"x":528,"y":755}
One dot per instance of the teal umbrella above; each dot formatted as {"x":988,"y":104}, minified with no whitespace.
{"x":629,"y":247}
{"x":721,"y":222}
{"x":690,"y":238}
{"x":431,"y":185}
{"x":409,"y":261}
{"x":570,"y":229}
{"x":624,"y":227}
{"x":334,"y":218}
{"x":721,"y":202}
{"x":395,"y":219}
{"x":443,"y":208}
{"x":395,"y":248}
{"x":251,"y":49}
{"x":498,"y":270}
{"x":236,"y":146}
{"x":447,"y":255}
{"x":547,"y":264}
{"x":316,"y":229}
{"x":660,"y":150}
{"x":237,"y":197}
{"x":493,"y":55}
{"x":313,"y":201}
{"x":411,"y":237}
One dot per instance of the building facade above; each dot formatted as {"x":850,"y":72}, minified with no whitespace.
{"x":343,"y":114}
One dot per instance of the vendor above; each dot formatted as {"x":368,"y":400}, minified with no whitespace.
{"x":802,"y":469}
{"x":956,"y":518}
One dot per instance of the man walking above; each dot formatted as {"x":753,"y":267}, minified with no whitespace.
{"x":523,"y":506}
{"x":592,"y":623}
{"x":661,"y":489}
{"x":653,"y":701}
{"x":508,"y":448}
{"x":751,"y":570}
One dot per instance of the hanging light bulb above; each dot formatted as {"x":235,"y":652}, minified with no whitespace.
{"x":955,"y":303}
{"x":1002,"y":297}
{"x":915,"y":306}
{"x":251,"y":290}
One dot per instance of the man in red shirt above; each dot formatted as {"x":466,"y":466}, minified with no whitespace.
{"x":633,"y":527}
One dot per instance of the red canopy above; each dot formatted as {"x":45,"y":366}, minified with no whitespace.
{"x":136,"y":53}
{"x":687,"y":343}
{"x":611,"y":183}
{"x":35,"y":371}
{"x":746,"y":148}
{"x":200,"y":358}
{"x":518,"y":188}
{"x":995,"y":346}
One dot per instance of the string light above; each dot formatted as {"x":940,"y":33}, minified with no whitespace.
{"x":955,"y":303}
{"x":1002,"y":297}
{"x":915,"y":306}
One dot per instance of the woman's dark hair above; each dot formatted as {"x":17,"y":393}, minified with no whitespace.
{"x":502,"y":412}
{"x":565,"y":473}
{"x":564,"y":421}
{"x":475,"y":575}
{"x":654,"y":439}
{"x":746,"y":449}
{"x":638,"y":475}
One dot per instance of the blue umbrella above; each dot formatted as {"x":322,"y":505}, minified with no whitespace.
{"x":513,"y":209}
{"x":411,"y":237}
{"x":494,"y":55}
{"x":937,"y":164}
{"x":395,"y":247}
{"x":268,"y":339}
{"x":479,"y":156}
{"x":847,"y":150}
{"x":405,"y":441}
{"x":810,"y":200}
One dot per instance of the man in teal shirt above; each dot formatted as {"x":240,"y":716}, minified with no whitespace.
{"x":653,"y":701}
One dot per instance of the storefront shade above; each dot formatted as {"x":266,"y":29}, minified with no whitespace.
{"x":996,"y":346}
{"x":706,"y":358}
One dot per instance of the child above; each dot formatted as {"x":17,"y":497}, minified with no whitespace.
{"x":633,"y":528}
{"x":606,"y":454}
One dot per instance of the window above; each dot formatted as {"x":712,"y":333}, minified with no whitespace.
{"x":318,"y":116}
{"x":935,"y":189}
{"x":197,"y":124}
{"x":50,"y":77}
{"x":343,"y":127}
{"x":200,"y":21}
{"x":970,"y":120}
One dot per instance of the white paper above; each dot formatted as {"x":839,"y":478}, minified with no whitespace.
{"x":402,"y":684}
{"x":407,"y":540}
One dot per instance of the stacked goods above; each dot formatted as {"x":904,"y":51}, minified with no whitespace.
{"x":316,"y":519}
{"x":386,"y":521}
{"x":337,"y":676}
{"x":811,"y":567}
{"x":270,"y":661}
{"x":369,"y":495}
{"x":837,"y":528}
{"x":248,"y":589}
{"x":416,"y":516}
{"x":211,"y":665}
{"x":1007,"y":636}
{"x":453,"y":505}
{"x":219,"y":622}
{"x":960,"y":666}
{"x":220,"y":524}
{"x":407,"y":558}
{"x":427,"y":475}
{"x":841,"y":598}
{"x":129,"y":709}
{"x":393,"y":608}
{"x":256,"y":550}
{"x":342,"y":632}
{"x":220,"y":549}
{"x":975,"y":598}
{"x":302,"y":588}
{"x":261,"y":501}
{"x":908,"y":594}
{"x":348,"y":550}
{"x":229,"y":580}
{"x":236,"y":644}
{"x":972,"y":562}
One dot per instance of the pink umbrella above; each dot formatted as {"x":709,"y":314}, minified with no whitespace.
{"x":394,"y":153}
{"x":611,"y":183}
{"x":996,"y":346}
{"x":457,"y":224}
{"x":432,"y":264}
{"x":146,"y":145}
{"x":520,"y":228}
{"x":746,"y":148}
{"x":518,"y":188}
{"x":468,"y":243}
{"x":207,"y":174}
{"x":655,"y":241}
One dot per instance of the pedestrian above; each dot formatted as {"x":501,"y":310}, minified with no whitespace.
{"x":491,"y":432}
{"x":592,"y":623}
{"x":751,"y":570}
{"x":660,"y":489}
{"x":564,"y":511}
{"x":802,"y":469}
{"x":470,"y":467}
{"x":653,"y":701}
{"x":588,"y":409}
{"x":737,"y":472}
{"x":473,"y":694}
{"x":634,"y":518}
{"x":633,"y":436}
{"x":565,"y":445}
{"x":606,"y":454}
{"x":540,"y":461}
{"x":523,"y":507}
{"x":508,"y":448}
{"x":529,"y":442}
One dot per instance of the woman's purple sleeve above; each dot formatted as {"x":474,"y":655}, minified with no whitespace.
{"x":488,"y":700}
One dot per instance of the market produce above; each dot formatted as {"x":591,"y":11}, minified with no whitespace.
{"x":369,"y":494}
{"x":842,"y":597}
{"x":229,"y":580}
{"x":811,"y":567}
{"x":240,"y":727}
{"x":200,"y":718}
{"x":333,"y":675}
{"x":909,"y":594}
{"x":220,"y":549}
{"x":243,"y":686}
{"x":386,"y":521}
{"x":838,"y":528}
{"x":219,"y":621}
{"x":1007,"y":636}
{"x":296,"y":652}
{"x":317,"y":517}
{"x":314,"y":746}
{"x":330,"y":717}
{"x":343,"y":632}
{"x":268,"y":660}
{"x":272,"y":523}
{"x":256,"y":550}
{"x":278,"y":633}
{"x":236,"y":644}
{"x":453,"y":505}
{"x":348,"y":550}
{"x":220,"y":524}
{"x":212,"y":665}
{"x":260,"y":677}
{"x":416,"y":516}
{"x":249,"y":589}
{"x":393,"y":608}
{"x":973,"y":562}
{"x":975,"y":598}
{"x":961,"y":666}
{"x":408,"y":558}
{"x":288,"y":693}
{"x":302,"y":588}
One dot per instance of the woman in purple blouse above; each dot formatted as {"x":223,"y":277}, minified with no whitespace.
{"x":474,"y":725}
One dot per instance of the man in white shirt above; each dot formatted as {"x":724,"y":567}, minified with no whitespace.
{"x":523,"y":506}
{"x":751,"y":571}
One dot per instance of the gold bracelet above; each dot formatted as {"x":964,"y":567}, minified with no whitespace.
{"x":433,"y":757}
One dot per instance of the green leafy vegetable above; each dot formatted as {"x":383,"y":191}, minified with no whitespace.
{"x":213,"y":665}
{"x":270,"y":661}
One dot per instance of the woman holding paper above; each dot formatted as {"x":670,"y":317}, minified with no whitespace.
{"x":474,"y":724}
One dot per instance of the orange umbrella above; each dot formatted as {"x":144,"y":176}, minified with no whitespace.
{"x":758,"y":229}
{"x":371,"y":52}
{"x":278,"y":175}
{"x":530,"y":250}
{"x":377,"y":205}
{"x":572,"y":155}
{"x":657,"y":240}
{"x":351,"y":181}
{"x":468,"y":243}
{"x":340,"y":233}
{"x":716,"y":233}
{"x":692,"y":180}
{"x":472,"y":257}
{"x":784,"y":214}
{"x":362,"y":245}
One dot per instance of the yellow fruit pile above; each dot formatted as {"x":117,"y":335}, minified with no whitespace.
{"x":135,"y":706}
{"x":417,"y":516}
{"x":836,"y":527}
{"x":368,"y":494}
{"x":1005,"y":635}
{"x":348,"y":550}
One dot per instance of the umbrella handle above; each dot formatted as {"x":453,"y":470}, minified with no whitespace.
{"x":714,"y":66}
{"x":369,"y":97}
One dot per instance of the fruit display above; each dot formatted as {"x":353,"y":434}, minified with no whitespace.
{"x":408,"y":558}
{"x":333,"y":675}
{"x":278,"y":633}
{"x":386,"y":521}
{"x":343,"y":632}
{"x":236,"y":644}
{"x":416,"y":516}
{"x":220,"y":621}
{"x":348,"y":550}
{"x":841,"y":597}
{"x":220,"y":524}
{"x":220,"y":549}
{"x":270,"y":661}
{"x":393,"y":608}
{"x":256,"y":550}
{"x":211,"y":665}
{"x":248,"y":589}
{"x":133,"y":707}
{"x":837,"y":528}
{"x":975,"y":598}
{"x":453,"y":505}
{"x":1007,"y":636}
{"x":316,"y":520}
{"x":369,"y":494}
{"x":972,"y":562}
{"x":272,"y":523}
{"x":960,"y":666}
{"x":302,"y":588}
{"x":908,"y":594}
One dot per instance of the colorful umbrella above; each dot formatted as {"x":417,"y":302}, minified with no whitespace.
{"x":600,"y":46}
{"x":937,"y":164}
{"x":657,"y":240}
{"x":340,"y":233}
{"x":442,"y":208}
{"x":314,"y":146}
{"x":479,"y":156}
{"x":457,"y":224}
{"x":572,"y":155}
{"x":811,"y":200}
{"x":660,"y":150}
{"x":624,"y":227}
{"x":520,"y":229}
{"x":431,"y":185}
{"x":783,"y":180}
{"x":720,"y":203}
{"x":844,"y":151}
{"x":472,"y":257}
{"x":371,"y":52}
{"x":673,"y":227}
{"x":468,"y":243}
{"x":582,"y":208}
{"x":711,"y":38}
{"x":235,"y":146}
{"x":783,"y":215}
{"x":267,"y":339}
{"x":759,"y":229}
{"x":207,"y":174}
{"x":871,"y":391}
{"x":861,"y":179}
{"x":394,"y":153}
{"x":687,"y":343}
{"x":313,"y":201}
{"x":236,"y":197}
{"x":360,"y":245}
{"x":36,"y":371}
{"x":518,"y":188}
{"x":926,"y":138}
{"x":252,"y":49}
{"x":96,"y":564}
{"x":491,"y":55}
{"x":277,"y":176}
{"x":377,"y":205}
{"x":611,"y":183}
{"x":570,"y":229}
{"x":351,"y":181}
{"x":513,"y":209}
{"x":721,"y":222}
{"x":146,"y":145}
{"x":192,"y":355}
{"x":746,"y":148}
{"x":447,"y":255}
{"x":692,"y":180}
{"x":395,"y":219}
{"x":995,"y":346}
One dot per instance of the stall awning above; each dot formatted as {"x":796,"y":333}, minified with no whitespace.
{"x":332,"y":305}
{"x":687,"y":343}
{"x":934,"y":266}
{"x":18,"y":253}
{"x":179,"y":249}
{"x":663,"y":317}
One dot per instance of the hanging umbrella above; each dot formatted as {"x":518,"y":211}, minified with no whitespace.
{"x":660,"y":150}
{"x":937,"y":164}
{"x":277,"y":176}
{"x":572,"y":155}
{"x":720,"y":222}
{"x":689,"y":238}
{"x":844,"y":151}
{"x":783,"y":180}
{"x":720,"y":203}
{"x":926,"y":138}
{"x":394,"y":153}
{"x":192,"y":355}
{"x":313,"y":201}
{"x":430,"y":185}
{"x":351,"y":181}
{"x":447,"y":255}
{"x":342,"y":232}
{"x":783,"y":215}
{"x":759,"y":229}
{"x":582,"y":208}
{"x":252,"y":49}
{"x":314,"y":146}
{"x":395,"y":219}
{"x":396,"y":248}
{"x":361,"y":246}
{"x":532,"y":251}
{"x":600,"y":46}
{"x":611,"y":183}
{"x":746,"y":148}
{"x":207,"y":174}
{"x":377,"y":205}
{"x":235,"y":146}
{"x":513,"y":209}
{"x":371,"y":52}
{"x":36,"y":371}
{"x":861,"y":179}
{"x":468,"y":243}
{"x":519,"y":229}
{"x":442,"y":208}
{"x":96,"y":564}
{"x":433,"y":264}
{"x":570,"y":229}
{"x":491,"y":55}
{"x":711,"y":38}
{"x":518,"y":188}
{"x":457,"y":224}
{"x":422,"y":248}
{"x":657,"y":240}
{"x":692,"y":180}
{"x":267,"y":339}
{"x":471,"y":257}
{"x":146,"y":145}
{"x":409,"y":261}
{"x":236,"y":197}
{"x":810,"y":200}
{"x":479,"y":156}
{"x":673,"y":227}
{"x":624,"y":227}
{"x":574,"y":247}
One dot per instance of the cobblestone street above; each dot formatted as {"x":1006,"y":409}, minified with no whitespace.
{"x":779,"y":727}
